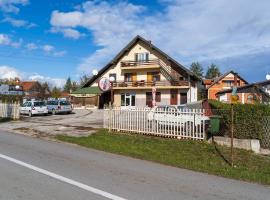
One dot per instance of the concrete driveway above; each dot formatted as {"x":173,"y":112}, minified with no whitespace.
{"x":79,"y":123}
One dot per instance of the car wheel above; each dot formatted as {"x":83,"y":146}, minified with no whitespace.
{"x":30,"y":114}
{"x":53,"y":112}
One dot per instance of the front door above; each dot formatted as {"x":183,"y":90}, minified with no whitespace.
{"x":174,"y":97}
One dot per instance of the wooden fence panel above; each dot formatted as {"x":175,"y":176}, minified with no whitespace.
{"x":8,"y":110}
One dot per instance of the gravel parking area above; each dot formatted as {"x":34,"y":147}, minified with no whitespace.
{"x":79,"y":123}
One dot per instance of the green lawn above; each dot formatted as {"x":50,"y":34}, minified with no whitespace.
{"x":194,"y":155}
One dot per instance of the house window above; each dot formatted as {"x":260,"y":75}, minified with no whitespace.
{"x":183,"y":98}
{"x":141,"y":57}
{"x":153,"y":76}
{"x":158,"y":97}
{"x":127,"y":99}
{"x":128,"y":77}
{"x":228,"y":83}
{"x":250,"y":98}
{"x":149,"y":98}
{"x":113,"y":75}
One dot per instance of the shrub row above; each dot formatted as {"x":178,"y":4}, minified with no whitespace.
{"x":10,"y":98}
{"x":247,"y":119}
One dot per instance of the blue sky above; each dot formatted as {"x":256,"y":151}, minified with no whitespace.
{"x":51,"y":40}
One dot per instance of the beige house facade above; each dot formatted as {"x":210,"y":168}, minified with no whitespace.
{"x":141,"y":68}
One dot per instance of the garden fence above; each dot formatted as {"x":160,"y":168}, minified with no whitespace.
{"x":181,"y":124}
{"x":9,"y":110}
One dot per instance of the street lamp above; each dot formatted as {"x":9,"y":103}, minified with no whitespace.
{"x":112,"y":79}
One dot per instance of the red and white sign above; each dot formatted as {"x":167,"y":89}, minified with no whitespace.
{"x":154,"y":96}
{"x":104,"y":84}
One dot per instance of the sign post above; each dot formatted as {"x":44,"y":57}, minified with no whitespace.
{"x":234,"y":100}
{"x":154,"y":96}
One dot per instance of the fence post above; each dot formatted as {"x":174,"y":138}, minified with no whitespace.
{"x":110,"y":117}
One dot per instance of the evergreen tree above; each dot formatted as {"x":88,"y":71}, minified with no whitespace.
{"x":197,"y":69}
{"x":68,"y":85}
{"x":212,"y":71}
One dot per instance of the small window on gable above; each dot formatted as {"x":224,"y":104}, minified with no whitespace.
{"x":141,"y":56}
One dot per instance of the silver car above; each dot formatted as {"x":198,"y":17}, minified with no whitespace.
{"x":59,"y":106}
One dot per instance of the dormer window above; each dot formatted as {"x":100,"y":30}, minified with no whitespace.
{"x":141,"y":56}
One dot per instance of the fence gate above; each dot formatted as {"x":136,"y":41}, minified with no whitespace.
{"x":187,"y":123}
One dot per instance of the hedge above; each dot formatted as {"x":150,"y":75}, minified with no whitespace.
{"x":10,"y":98}
{"x":247,"y":121}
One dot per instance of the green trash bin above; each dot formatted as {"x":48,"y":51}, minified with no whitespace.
{"x":215,"y":124}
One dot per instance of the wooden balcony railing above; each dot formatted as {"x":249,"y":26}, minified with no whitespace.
{"x":132,"y":63}
{"x":150,"y":84}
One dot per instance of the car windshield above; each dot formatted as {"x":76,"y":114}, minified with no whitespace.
{"x":39,"y":103}
{"x":64,"y":103}
{"x":52,"y":103}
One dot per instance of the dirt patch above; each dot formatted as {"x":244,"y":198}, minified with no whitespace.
{"x":32,"y":132}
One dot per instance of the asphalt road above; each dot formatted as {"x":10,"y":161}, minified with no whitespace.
{"x":32,"y":168}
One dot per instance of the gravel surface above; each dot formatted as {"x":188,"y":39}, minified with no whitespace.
{"x":79,"y":123}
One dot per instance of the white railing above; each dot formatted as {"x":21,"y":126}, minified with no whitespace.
{"x":9,"y":110}
{"x":188,"y":123}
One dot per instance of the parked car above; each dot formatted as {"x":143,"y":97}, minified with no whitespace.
{"x":59,"y":106}
{"x":34,"y":108}
{"x":171,"y":115}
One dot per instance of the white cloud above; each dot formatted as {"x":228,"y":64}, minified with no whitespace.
{"x":58,"y":82}
{"x":48,"y":48}
{"x":6,"y":40}
{"x":67,"y":32}
{"x":31,"y":46}
{"x":11,"y":6}
{"x":186,"y":29}
{"x":18,"y":22}
{"x":7,"y":72}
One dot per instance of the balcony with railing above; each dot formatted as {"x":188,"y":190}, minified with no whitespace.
{"x":144,"y":64}
{"x":150,"y":84}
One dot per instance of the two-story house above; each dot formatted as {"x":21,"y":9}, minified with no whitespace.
{"x":137,"y":69}
{"x":223,"y":82}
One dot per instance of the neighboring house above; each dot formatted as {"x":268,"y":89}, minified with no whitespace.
{"x":88,"y":96}
{"x":32,"y":90}
{"x":251,"y":93}
{"x":223,"y":82}
{"x":137,"y":69}
{"x":265,"y":85}
{"x":10,"y":90}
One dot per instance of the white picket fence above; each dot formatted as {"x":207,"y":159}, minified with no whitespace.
{"x":188,"y":123}
{"x":9,"y":110}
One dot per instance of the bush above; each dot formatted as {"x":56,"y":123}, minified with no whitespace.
{"x":247,"y":119}
{"x":10,"y":98}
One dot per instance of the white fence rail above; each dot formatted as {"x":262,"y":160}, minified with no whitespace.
{"x":8,"y":110}
{"x":189,"y":124}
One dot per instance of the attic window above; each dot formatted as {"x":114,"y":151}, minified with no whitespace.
{"x":141,"y":56}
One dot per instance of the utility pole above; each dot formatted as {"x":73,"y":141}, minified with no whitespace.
{"x":234,"y":100}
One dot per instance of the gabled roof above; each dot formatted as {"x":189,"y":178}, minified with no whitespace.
{"x":216,"y":80}
{"x":28,"y":85}
{"x":128,"y":47}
